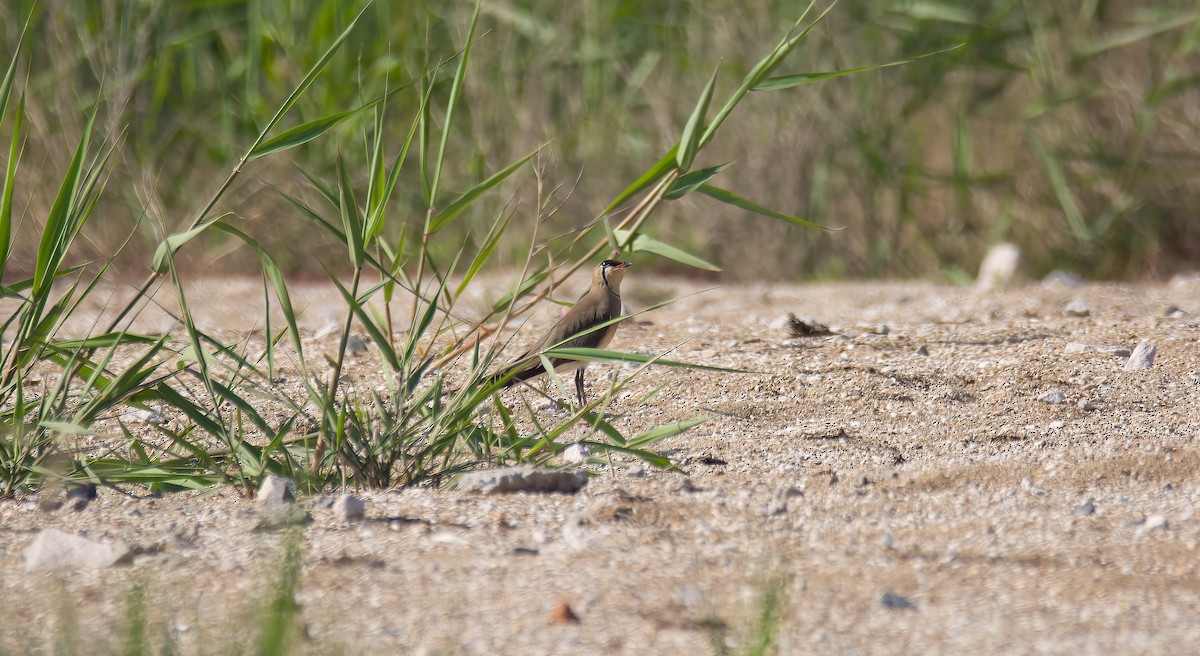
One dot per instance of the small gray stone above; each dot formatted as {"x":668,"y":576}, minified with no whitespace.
{"x":521,"y":479}
{"x":896,"y":602}
{"x":635,"y":471}
{"x":1173,"y":312}
{"x":356,"y":345}
{"x":1053,"y":397}
{"x":1061,"y":279}
{"x":922,"y":350}
{"x":1142,"y":356}
{"x":53,"y":549}
{"x":1088,"y":507}
{"x":276,"y":491}
{"x":349,"y":508}
{"x":1077,"y":308}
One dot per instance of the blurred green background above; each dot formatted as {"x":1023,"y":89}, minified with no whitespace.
{"x":1068,"y":127}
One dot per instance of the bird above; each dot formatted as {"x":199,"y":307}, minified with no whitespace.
{"x":600,"y":304}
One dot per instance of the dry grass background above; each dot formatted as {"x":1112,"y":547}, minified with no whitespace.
{"x":1067,"y":127}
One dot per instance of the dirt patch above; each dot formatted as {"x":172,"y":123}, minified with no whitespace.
{"x":917,"y":483}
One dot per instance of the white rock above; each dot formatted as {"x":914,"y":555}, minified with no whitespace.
{"x":1077,"y":308}
{"x":521,"y":479}
{"x":53,"y":549}
{"x":1053,"y":397}
{"x":349,"y":508}
{"x":276,"y":491}
{"x":576,"y":453}
{"x":999,"y":267}
{"x":1142,"y":356}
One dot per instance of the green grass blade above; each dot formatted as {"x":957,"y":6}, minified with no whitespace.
{"x":1062,"y":189}
{"x":10,"y":174}
{"x":451,"y":212}
{"x":306,"y":132}
{"x":352,"y":225}
{"x":308,"y":80}
{"x":799,"y":79}
{"x":606,"y":355}
{"x":61,"y":225}
{"x":660,"y":433}
{"x":689,"y":182}
{"x":172,"y":243}
{"x":645,"y":244}
{"x":460,"y":76}
{"x":648,"y":179}
{"x":731,"y":198}
{"x":690,"y":139}
{"x":762,"y":69}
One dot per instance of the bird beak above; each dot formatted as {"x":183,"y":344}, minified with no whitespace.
{"x":625,"y":265}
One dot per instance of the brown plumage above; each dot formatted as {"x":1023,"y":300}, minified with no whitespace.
{"x":601,"y":303}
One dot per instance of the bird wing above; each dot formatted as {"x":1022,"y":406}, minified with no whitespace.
{"x":580,"y":318}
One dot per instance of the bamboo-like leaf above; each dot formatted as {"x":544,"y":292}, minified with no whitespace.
{"x":798,"y":79}
{"x":689,"y":182}
{"x":690,"y":140}
{"x":60,"y":229}
{"x":169,"y":246}
{"x":351,"y":219}
{"x":490,"y":241}
{"x":660,"y":433}
{"x":309,"y":78}
{"x":368,"y":324}
{"x":604,"y":355}
{"x":451,"y":212}
{"x":737,"y":201}
{"x":306,"y":132}
{"x":460,"y":77}
{"x":763,"y":68}
{"x":10,"y":174}
{"x":66,"y":427}
{"x":662,"y":462}
{"x":655,"y":173}
{"x":645,"y":244}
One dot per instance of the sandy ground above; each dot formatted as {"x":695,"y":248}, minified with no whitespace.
{"x":908,"y":486}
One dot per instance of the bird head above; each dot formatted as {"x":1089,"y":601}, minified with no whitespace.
{"x":610,"y":272}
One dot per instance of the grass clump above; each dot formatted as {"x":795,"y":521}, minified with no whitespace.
{"x":232,"y":425}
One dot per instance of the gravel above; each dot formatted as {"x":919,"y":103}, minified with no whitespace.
{"x":972,"y":513}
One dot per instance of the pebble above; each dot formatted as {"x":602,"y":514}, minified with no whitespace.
{"x":635,"y":471}
{"x":999,"y":267}
{"x":922,"y":350}
{"x":356,"y":345}
{"x":1142,"y":356}
{"x":276,"y":491}
{"x":521,"y":479}
{"x":1100,"y":349}
{"x":349,"y":508}
{"x":1060,"y":278}
{"x":1053,"y":397}
{"x":1077,"y":308}
{"x":576,"y":453}
{"x":1173,"y":312}
{"x":1153,"y":523}
{"x":1088,"y":507}
{"x":53,"y":549}
{"x":896,"y":602}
